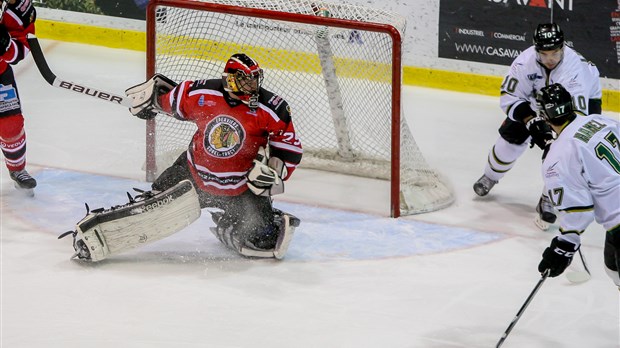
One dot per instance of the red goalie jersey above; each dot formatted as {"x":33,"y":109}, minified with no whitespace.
{"x":230,"y":133}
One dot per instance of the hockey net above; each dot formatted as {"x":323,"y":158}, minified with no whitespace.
{"x":337,"y":65}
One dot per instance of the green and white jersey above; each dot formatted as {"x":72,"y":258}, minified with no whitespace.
{"x":582,"y":174}
{"x":526,"y":77}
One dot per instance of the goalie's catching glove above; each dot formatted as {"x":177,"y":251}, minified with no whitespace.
{"x":144,"y":96}
{"x":557,"y":257}
{"x":541,"y":133}
{"x":265,"y":176}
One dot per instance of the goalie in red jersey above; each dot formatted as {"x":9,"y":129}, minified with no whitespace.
{"x":244,"y":148}
{"x":17,"y":21}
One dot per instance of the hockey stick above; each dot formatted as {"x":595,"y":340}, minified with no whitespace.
{"x":3,"y":5}
{"x":527,"y":302}
{"x":580,"y":276}
{"x":52,"y":79}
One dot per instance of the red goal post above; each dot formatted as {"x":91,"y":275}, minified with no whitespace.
{"x":342,"y":89}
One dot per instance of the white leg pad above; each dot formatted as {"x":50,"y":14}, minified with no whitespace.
{"x":117,"y":229}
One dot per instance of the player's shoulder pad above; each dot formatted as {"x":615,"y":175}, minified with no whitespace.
{"x":276,"y":103}
{"x":214,"y":84}
{"x":24,"y":10}
{"x":524,"y":61}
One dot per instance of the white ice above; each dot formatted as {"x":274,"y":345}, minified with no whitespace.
{"x":353,"y":277}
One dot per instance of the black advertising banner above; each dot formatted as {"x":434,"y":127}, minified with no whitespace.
{"x":134,"y":9}
{"x":496,"y":31}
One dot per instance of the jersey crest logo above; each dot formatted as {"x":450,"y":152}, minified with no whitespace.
{"x":534,"y":76}
{"x":223,"y":137}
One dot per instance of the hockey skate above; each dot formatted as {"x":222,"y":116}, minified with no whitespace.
{"x":271,"y":243}
{"x":546,"y":213}
{"x":484,"y":185}
{"x":23,"y":181}
{"x":279,"y":237}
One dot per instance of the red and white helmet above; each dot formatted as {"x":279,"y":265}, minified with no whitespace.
{"x":243,"y":77}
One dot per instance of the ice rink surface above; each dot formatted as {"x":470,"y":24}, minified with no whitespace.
{"x":352,"y":278}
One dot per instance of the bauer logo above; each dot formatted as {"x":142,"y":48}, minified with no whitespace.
{"x":90,"y":91}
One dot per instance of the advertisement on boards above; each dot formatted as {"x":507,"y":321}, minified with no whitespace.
{"x":497,"y":31}
{"x":133,"y":9}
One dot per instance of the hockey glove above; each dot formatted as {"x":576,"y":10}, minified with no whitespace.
{"x":265,"y":176}
{"x":145,"y":95}
{"x":557,"y":257}
{"x":5,"y":40}
{"x":541,"y":133}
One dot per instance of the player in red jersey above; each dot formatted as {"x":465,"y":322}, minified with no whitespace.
{"x":236,"y":119}
{"x":17,"y":21}
{"x":244,"y":147}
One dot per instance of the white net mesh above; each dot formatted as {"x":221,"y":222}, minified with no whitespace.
{"x":337,"y":81}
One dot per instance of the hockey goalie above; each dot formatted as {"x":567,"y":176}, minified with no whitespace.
{"x":244,"y":149}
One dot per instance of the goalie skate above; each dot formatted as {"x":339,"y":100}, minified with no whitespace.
{"x":288,"y":225}
{"x":286,"y":229}
{"x":147,"y":218}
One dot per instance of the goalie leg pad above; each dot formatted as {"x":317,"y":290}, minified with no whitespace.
{"x":110,"y":231}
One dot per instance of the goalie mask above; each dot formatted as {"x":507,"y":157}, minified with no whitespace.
{"x":243,"y":77}
{"x":555,"y":104}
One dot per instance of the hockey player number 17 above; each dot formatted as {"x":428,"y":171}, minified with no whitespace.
{"x":604,"y":152}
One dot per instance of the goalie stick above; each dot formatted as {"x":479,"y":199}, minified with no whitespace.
{"x":52,"y":79}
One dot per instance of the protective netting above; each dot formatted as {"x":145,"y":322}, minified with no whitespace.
{"x":337,"y":81}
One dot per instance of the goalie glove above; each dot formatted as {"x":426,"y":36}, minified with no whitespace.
{"x":144,"y":96}
{"x":265,"y":176}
